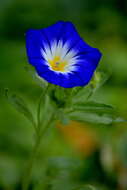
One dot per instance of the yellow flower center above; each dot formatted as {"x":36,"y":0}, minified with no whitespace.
{"x":56,"y":64}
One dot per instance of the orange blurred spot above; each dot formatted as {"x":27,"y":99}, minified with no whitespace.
{"x":80,"y":136}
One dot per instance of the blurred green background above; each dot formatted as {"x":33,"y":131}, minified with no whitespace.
{"x":66,"y":158}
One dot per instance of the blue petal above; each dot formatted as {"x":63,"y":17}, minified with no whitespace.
{"x":90,"y":59}
{"x":65,"y":32}
{"x":53,"y":32}
{"x":37,"y":62}
{"x":87,"y":64}
{"x":70,"y":80}
{"x":49,"y":75}
{"x":35,"y":41}
{"x":70,"y":35}
{"x":82,"y":47}
{"x":39,"y":39}
{"x":85,"y":74}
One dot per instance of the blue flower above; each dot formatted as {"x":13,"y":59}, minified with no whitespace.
{"x":60,"y":56}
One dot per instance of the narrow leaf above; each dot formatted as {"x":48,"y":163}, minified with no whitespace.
{"x":91,"y":117}
{"x":93,"y":107}
{"x":19,"y":104}
{"x":103,"y":118}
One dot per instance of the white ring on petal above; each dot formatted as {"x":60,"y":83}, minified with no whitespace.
{"x":61,"y":50}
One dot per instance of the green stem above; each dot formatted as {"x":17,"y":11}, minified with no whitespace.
{"x":27,"y":176}
{"x":39,"y":108}
{"x":39,"y":134}
{"x":91,"y":93}
{"x":28,"y":173}
{"x":52,"y":118}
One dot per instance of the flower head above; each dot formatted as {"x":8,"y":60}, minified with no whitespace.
{"x":60,"y":56}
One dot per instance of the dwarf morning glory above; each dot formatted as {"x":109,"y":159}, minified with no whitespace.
{"x":60,"y":56}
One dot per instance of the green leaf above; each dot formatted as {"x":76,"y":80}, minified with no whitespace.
{"x":94,"y":112}
{"x":95,"y":118}
{"x":90,"y":117}
{"x":94,"y":107}
{"x":119,"y":120}
{"x":19,"y":104}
